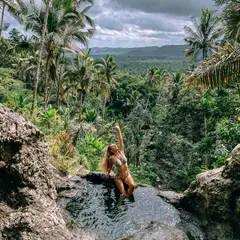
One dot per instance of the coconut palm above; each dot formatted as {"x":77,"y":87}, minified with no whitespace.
{"x":204,"y":34}
{"x":15,"y":7}
{"x":107,"y":71}
{"x":155,"y":75}
{"x":59,"y":72}
{"x":106,"y":74}
{"x":177,"y":82}
{"x":153,"y":78}
{"x":26,"y":67}
{"x":107,"y":68}
{"x":224,"y":66}
{"x":61,"y":79}
{"x":65,"y":25}
{"x":231,"y":17}
{"x":43,"y":31}
{"x":2,"y":18}
{"x":221,"y":69}
{"x":82,"y":76}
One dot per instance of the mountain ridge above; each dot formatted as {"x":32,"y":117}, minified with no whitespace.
{"x":149,"y":51}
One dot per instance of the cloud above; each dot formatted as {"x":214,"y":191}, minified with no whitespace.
{"x":132,"y":23}
{"x":174,"y":7}
{"x":143,"y":22}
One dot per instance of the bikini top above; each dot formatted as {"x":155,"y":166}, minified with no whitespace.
{"x":119,"y":162}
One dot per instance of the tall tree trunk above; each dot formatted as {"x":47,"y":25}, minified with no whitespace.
{"x":81,"y":105}
{"x":147,"y":101}
{"x":206,"y":52}
{"x":238,"y":90}
{"x":175,"y":94}
{"x":58,"y":96}
{"x":2,"y":19}
{"x":49,"y":93}
{"x":59,"y":85}
{"x":46,"y":87}
{"x":104,"y":107}
{"x":203,"y":51}
{"x":36,"y":77}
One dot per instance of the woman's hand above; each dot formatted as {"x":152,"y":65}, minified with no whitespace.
{"x":117,"y":127}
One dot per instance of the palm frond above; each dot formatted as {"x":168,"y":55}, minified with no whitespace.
{"x":223,"y":68}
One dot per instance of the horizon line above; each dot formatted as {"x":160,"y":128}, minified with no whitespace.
{"x":139,"y":47}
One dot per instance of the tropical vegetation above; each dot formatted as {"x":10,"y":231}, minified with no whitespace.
{"x":178,"y":118}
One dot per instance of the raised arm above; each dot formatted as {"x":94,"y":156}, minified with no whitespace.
{"x":120,"y":138}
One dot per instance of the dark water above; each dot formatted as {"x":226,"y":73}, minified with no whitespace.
{"x":99,"y":210}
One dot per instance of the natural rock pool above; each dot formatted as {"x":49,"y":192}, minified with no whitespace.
{"x":99,"y":210}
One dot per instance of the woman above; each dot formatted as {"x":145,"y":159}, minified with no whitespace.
{"x":115,"y":157}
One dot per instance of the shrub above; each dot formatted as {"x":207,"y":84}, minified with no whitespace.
{"x":90,"y":150}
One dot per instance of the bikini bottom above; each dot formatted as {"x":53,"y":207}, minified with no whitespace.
{"x":117,"y":177}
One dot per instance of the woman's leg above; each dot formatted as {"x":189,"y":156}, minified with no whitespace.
{"x":131,"y":185}
{"x":120,"y":186}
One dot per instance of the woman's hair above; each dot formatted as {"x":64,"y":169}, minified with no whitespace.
{"x":104,"y":164}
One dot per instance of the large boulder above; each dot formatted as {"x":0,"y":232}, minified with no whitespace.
{"x":28,"y":209}
{"x":215,"y":196}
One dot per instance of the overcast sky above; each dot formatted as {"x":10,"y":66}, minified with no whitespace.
{"x":136,"y":23}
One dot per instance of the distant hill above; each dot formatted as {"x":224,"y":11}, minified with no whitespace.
{"x":167,"y":51}
{"x":164,"y":51}
{"x":111,"y":51}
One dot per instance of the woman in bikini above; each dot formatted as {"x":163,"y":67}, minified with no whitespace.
{"x":115,"y":157}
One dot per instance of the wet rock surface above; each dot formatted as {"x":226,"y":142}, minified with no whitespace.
{"x":214,"y":196}
{"x":171,"y":197}
{"x":159,"y":232}
{"x":28,"y":209}
{"x":94,"y":204}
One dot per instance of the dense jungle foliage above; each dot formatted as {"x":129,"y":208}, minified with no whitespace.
{"x":175,"y":124}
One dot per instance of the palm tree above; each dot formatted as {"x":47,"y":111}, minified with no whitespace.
{"x":231,"y":17}
{"x":60,"y":74}
{"x":36,"y":78}
{"x":154,"y":76}
{"x":63,"y":85}
{"x":15,"y":7}
{"x":107,"y":68}
{"x":82,"y":76}
{"x":224,"y":66}
{"x":177,"y":79}
{"x":26,"y":67}
{"x":2,"y":19}
{"x":221,"y":69}
{"x":64,"y":25}
{"x":204,"y":36}
{"x":107,"y":71}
